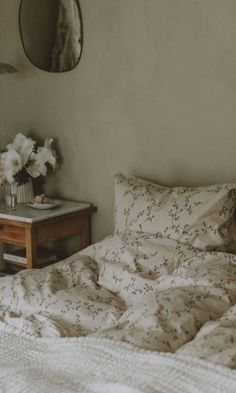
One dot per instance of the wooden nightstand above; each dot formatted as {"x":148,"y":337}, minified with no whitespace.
{"x":30,"y":228}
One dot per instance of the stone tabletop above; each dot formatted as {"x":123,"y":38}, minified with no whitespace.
{"x":25,"y":213}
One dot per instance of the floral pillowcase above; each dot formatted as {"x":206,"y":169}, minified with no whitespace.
{"x":199,"y":216}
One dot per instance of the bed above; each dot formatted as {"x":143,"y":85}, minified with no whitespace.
{"x":151,"y":308}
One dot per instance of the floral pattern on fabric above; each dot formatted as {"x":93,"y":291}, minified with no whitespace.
{"x":198,"y":216}
{"x":216,"y":341}
{"x":153,"y":292}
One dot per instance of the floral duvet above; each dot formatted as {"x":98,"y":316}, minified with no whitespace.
{"x":155,"y":293}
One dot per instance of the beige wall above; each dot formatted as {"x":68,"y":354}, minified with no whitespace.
{"x":154,"y":95}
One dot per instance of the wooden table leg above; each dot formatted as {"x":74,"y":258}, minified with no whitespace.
{"x":84,"y":235}
{"x":31,"y":246}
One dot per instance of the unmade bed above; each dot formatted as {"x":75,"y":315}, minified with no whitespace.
{"x":151,"y":308}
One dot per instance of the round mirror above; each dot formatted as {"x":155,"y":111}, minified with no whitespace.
{"x":51,"y":33}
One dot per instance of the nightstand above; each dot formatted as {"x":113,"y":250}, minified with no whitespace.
{"x":31,"y":228}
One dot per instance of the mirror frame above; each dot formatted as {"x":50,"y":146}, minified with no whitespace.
{"x":81,"y":41}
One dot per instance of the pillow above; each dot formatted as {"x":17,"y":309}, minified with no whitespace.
{"x":197,"y":216}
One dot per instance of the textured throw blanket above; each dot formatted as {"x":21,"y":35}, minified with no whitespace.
{"x":95,"y":365}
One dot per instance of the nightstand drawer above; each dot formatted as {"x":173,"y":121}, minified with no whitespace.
{"x":30,"y":227}
{"x":12,"y":234}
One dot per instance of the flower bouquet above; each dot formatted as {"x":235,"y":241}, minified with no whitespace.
{"x":24,"y":159}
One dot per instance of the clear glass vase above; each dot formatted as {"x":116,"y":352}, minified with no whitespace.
{"x":11,"y":196}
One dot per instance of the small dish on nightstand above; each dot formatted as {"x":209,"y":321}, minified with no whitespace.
{"x":44,"y":206}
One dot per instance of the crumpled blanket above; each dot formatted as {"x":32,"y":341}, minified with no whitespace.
{"x":152,"y":292}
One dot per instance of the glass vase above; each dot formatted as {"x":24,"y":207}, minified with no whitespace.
{"x":11,"y":196}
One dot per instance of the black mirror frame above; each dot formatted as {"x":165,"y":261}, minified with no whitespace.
{"x":81,"y":41}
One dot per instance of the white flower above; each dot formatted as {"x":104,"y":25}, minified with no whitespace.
{"x":38,"y":163}
{"x":2,"y":176}
{"x":24,"y":158}
{"x":17,"y":142}
{"x":12,"y":163}
{"x":51,"y":153}
{"x":22,"y":145}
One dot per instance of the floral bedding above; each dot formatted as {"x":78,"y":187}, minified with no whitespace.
{"x":163,"y":284}
{"x":156,"y":293}
{"x":203,"y":217}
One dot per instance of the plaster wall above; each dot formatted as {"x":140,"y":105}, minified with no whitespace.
{"x":154,"y":95}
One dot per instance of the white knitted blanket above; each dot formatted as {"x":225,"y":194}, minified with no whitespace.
{"x":98,"y":365}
